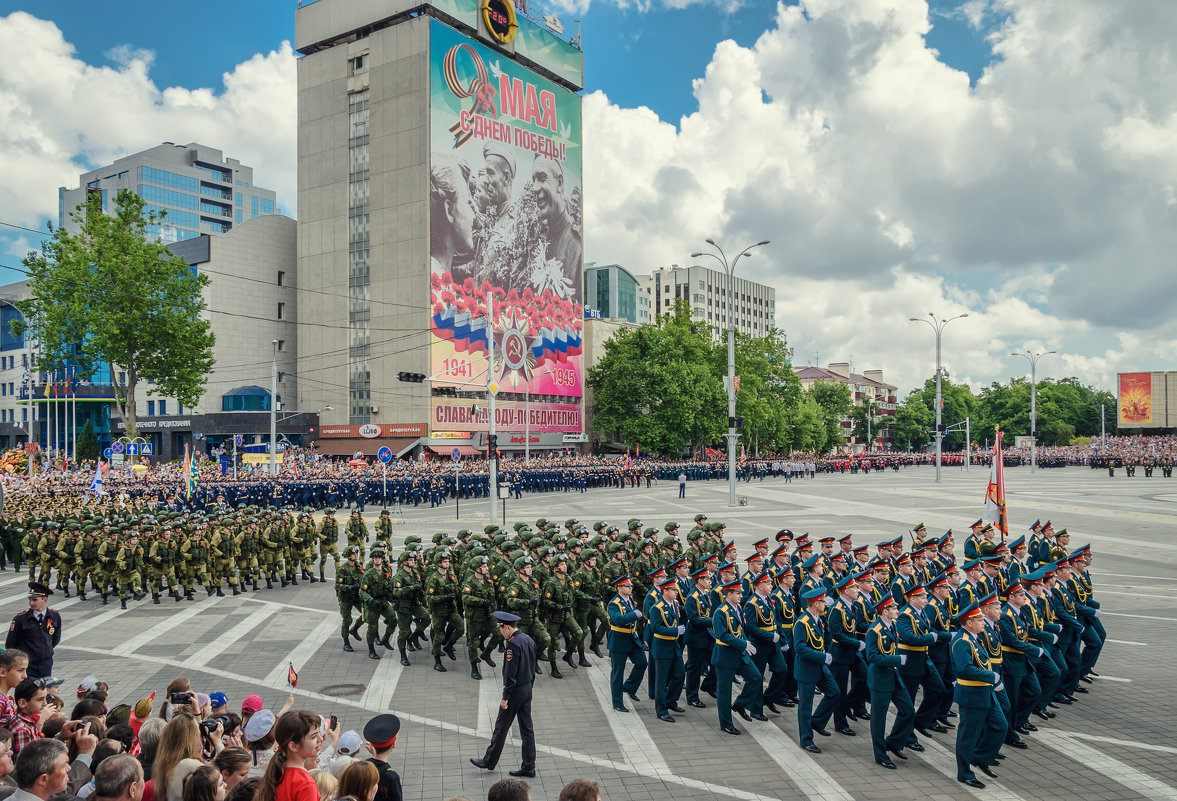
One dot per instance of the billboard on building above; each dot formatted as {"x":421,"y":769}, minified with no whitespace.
{"x":1135,"y":402}
{"x":505,"y":222}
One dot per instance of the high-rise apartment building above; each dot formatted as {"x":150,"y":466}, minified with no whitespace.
{"x":196,"y":187}
{"x":439,"y":179}
{"x":616,"y":293}
{"x":705,"y":291}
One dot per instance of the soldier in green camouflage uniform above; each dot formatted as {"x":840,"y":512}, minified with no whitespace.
{"x":248,"y":548}
{"x":329,"y":542}
{"x":296,"y":550}
{"x":478,"y":600}
{"x":129,"y":566}
{"x":107,"y":554}
{"x":64,"y":555}
{"x":86,"y":558}
{"x":523,"y":599}
{"x":407,"y":590}
{"x":357,"y":532}
{"x":194,"y":560}
{"x":556,"y":613}
{"x":348,"y":579}
{"x":441,"y":594}
{"x":161,"y":565}
{"x":384,"y":527}
{"x":221,"y":547}
{"x":47,"y":552}
{"x":588,"y":609}
{"x":273,"y":549}
{"x":376,"y":591}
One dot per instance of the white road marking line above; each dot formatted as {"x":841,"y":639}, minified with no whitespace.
{"x":490,"y":693}
{"x":303,"y":651}
{"x":1144,"y":617}
{"x":945,"y":763}
{"x":222,"y":642}
{"x":1125,"y":642}
{"x":802,"y":768}
{"x":290,"y":606}
{"x":1129,"y":575}
{"x":628,"y":730}
{"x":1113,"y":678}
{"x":169,"y":623}
{"x":384,"y":679}
{"x":1138,"y":595}
{"x":1105,"y":765}
{"x":69,"y":630}
{"x":1117,"y":742}
{"x":280,"y":684}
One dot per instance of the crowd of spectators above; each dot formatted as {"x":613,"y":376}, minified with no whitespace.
{"x":193,"y":746}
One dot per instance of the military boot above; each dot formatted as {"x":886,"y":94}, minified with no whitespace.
{"x":486,"y":656}
{"x":474,"y":674}
{"x":123,"y":601}
{"x":372,"y":651}
{"x":236,"y":591}
{"x":347,"y":645}
{"x":355,"y":630}
{"x":405,"y":658}
{"x":209,"y":589}
{"x":268,"y":587}
{"x":104,"y":599}
{"x":155,"y":597}
{"x":321,"y":577}
{"x":555,"y":671}
{"x":568,"y":659}
{"x":437,"y":665}
{"x":221,"y":593}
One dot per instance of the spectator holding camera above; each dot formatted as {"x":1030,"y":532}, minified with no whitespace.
{"x":179,"y":753}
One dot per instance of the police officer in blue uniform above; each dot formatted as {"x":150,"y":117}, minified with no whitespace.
{"x":36,"y":631}
{"x":518,"y":677}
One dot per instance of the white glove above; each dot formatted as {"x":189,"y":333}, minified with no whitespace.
{"x":1082,"y":629}
{"x":1054,"y":638}
{"x":861,"y":647}
{"x":829,"y":659}
{"x":996,"y":678}
{"x":784,"y":646}
{"x":638,"y":612}
{"x":1041,"y":652}
{"x":776,"y":637}
{"x":999,"y":687}
{"x":903,"y":659}
{"x":1097,"y":613}
{"x":681,"y":630}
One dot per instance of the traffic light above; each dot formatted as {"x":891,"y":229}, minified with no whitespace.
{"x":449,"y":392}
{"x":492,"y":442}
{"x":412,"y":378}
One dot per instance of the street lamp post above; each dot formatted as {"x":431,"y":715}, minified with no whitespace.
{"x":730,"y":269}
{"x":938,"y":327}
{"x":274,"y":408}
{"x":1033,"y":359}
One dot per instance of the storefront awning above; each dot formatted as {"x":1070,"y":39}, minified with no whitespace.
{"x":346,"y":446}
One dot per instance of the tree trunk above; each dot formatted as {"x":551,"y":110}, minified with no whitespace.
{"x":129,"y":416}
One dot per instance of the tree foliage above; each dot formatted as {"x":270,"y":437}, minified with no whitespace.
{"x":833,"y":401}
{"x":109,"y":296}
{"x":662,"y":386}
{"x":87,"y":445}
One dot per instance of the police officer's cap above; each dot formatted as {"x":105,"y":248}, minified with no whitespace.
{"x":39,"y":590}
{"x":381,"y":730}
{"x":505,"y":617}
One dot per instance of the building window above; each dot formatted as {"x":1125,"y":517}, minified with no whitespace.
{"x":181,"y":409}
{"x":253,"y":207}
{"x":281,"y":278}
{"x":359,"y":64}
{"x":281,"y":344}
{"x":281,"y":309}
{"x":238,"y":217}
{"x":238,"y":197}
{"x":281,"y":376}
{"x":151,"y":408}
{"x":163,"y":407}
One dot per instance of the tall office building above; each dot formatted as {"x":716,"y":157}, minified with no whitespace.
{"x":705,"y":291}
{"x":199,"y":190}
{"x":617,"y":293}
{"x":439,"y":177}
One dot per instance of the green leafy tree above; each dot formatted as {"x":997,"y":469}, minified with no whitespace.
{"x":87,"y":445}
{"x":809,"y":431}
{"x":656,"y":386}
{"x":914,"y":423}
{"x":109,"y":296}
{"x":769,"y":390}
{"x":859,"y":417}
{"x":833,"y":399}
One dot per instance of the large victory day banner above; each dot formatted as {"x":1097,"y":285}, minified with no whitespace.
{"x":505,"y":222}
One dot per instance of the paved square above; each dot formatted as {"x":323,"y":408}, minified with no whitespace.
{"x":1118,"y":743}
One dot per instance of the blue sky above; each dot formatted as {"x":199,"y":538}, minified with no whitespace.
{"x":1004,"y":158}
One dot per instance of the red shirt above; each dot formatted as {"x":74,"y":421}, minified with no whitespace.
{"x":296,"y":785}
